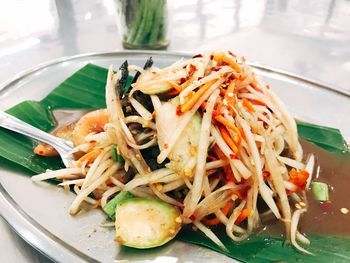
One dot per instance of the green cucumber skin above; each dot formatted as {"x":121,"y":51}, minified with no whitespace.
{"x":116,"y":156}
{"x":111,"y":206}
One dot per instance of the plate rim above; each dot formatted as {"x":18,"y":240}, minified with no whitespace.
{"x":29,"y":229}
{"x":17,"y":77}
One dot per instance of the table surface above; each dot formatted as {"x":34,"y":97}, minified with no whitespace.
{"x":308,"y":38}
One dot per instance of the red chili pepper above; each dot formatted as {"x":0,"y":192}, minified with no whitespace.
{"x":266,"y":175}
{"x":192,"y":70}
{"x":178,"y":110}
{"x":298,"y":178}
{"x":234,"y":157}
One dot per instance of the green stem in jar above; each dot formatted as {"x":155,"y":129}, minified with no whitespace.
{"x":137,"y":25}
{"x":157,"y":24}
{"x":163,"y":25}
{"x":135,"y":22}
{"x":145,"y":26}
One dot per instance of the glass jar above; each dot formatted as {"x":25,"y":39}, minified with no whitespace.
{"x":143,"y":23}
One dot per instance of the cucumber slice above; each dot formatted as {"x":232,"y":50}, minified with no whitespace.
{"x":156,"y":88}
{"x":320,"y":191}
{"x":146,"y":223}
{"x":183,"y":153}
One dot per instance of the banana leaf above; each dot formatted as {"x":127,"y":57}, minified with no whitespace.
{"x":272,"y":249}
{"x":85,"y":90}
{"x":327,"y":138}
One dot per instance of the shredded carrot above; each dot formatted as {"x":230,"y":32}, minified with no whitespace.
{"x":229,"y":125}
{"x":229,"y":96}
{"x":90,"y":156}
{"x":241,"y":131}
{"x":204,"y":105}
{"x":233,"y":64}
{"x":257,"y":102}
{"x":196,"y":96}
{"x":241,"y":77}
{"x":185,"y":84}
{"x":243,"y":215}
{"x":227,"y":138}
{"x":248,"y":105}
{"x":98,"y":203}
{"x":225,"y":122}
{"x":222,"y":91}
{"x":228,"y":173}
{"x":216,"y":220}
{"x":253,"y":84}
{"x":218,"y":56}
{"x":231,"y":111}
{"x":216,"y":112}
{"x":175,"y":86}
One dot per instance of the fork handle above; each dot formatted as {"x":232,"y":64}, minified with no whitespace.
{"x":12,"y":123}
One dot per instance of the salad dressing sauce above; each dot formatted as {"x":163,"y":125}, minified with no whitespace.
{"x":324,"y":218}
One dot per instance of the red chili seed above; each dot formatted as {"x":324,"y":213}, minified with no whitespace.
{"x":233,"y":55}
{"x":198,"y":56}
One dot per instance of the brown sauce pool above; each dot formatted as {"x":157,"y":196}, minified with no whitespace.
{"x":320,"y":218}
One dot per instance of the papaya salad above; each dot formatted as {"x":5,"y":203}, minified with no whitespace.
{"x":200,"y":142}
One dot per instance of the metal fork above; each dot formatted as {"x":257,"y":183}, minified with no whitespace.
{"x":63,"y":147}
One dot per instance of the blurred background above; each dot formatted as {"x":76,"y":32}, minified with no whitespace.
{"x":309,"y":38}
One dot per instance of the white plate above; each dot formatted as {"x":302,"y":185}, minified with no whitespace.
{"x":39,"y":213}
